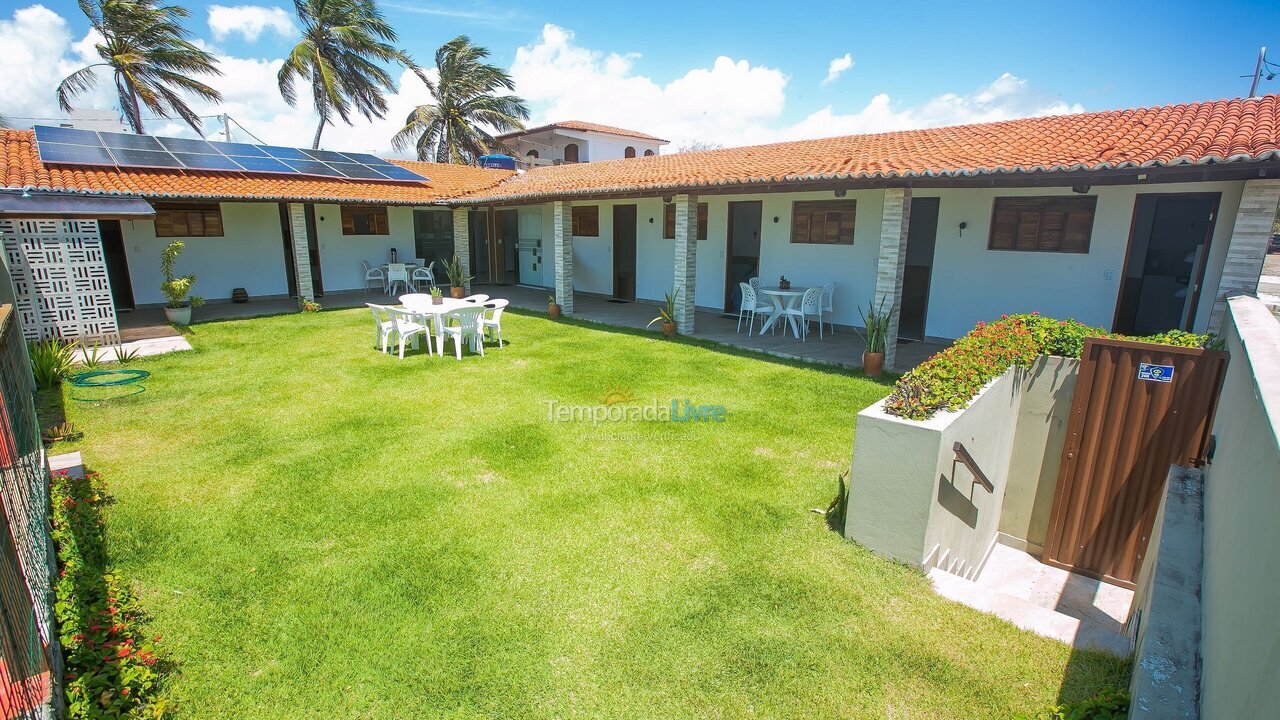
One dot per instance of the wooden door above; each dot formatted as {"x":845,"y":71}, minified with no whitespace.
{"x":1138,"y":408}
{"x":624,"y":252}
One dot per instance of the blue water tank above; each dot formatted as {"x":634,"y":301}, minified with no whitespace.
{"x":498,"y":162}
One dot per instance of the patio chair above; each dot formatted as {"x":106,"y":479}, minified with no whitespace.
{"x":477,"y":298}
{"x":756,"y":284}
{"x":810,"y":306}
{"x":750,"y":306}
{"x":373,"y":274}
{"x":408,"y":326}
{"x":398,"y":275}
{"x":491,"y":322}
{"x":384,"y":324}
{"x":468,"y":327}
{"x":828,"y":291}
{"x":423,"y":274}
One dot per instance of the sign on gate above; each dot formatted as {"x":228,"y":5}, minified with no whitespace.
{"x":1155,"y":373}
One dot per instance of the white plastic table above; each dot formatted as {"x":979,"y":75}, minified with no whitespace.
{"x":420,"y":304}
{"x":783,"y":300}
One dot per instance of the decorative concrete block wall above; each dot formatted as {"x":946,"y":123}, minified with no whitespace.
{"x":60,"y":278}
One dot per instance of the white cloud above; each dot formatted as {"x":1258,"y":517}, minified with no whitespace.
{"x":39,"y":52}
{"x":837,"y":67}
{"x":249,"y":21}
{"x":1007,"y":97}
{"x":731,"y":102}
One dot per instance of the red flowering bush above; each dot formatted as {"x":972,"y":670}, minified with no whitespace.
{"x":951,"y":378}
{"x":110,"y":663}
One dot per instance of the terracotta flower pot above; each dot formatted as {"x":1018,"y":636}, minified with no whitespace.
{"x":872,"y":364}
{"x":456,"y":292}
{"x":669,"y":329}
{"x":553,"y":309}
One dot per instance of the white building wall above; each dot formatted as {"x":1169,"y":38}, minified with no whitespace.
{"x":972,"y":283}
{"x":250,"y":254}
{"x":340,"y":255}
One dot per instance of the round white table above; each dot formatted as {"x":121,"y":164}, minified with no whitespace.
{"x":420,"y":304}
{"x":783,"y":300}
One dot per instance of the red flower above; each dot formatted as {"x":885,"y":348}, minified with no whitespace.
{"x":123,"y":651}
{"x":124,"y":692}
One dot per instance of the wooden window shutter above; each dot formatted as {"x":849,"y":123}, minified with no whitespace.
{"x":823,"y":222}
{"x":586,"y":221}
{"x":669,"y":221}
{"x":702,"y":221}
{"x":1042,"y":224}
{"x":348,"y":222}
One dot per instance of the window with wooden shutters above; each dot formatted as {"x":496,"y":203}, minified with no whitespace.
{"x":188,"y":220}
{"x":361,"y":220}
{"x":825,"y":222}
{"x":669,"y":221}
{"x":629,"y":152}
{"x":586,"y":221}
{"x":1042,"y":224}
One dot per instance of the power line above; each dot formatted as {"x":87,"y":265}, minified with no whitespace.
{"x":1264,"y":70}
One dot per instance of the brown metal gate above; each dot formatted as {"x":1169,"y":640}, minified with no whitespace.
{"x":1138,"y":408}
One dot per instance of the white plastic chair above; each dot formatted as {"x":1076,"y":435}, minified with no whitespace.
{"x":810,"y":306}
{"x":373,"y":274}
{"x":477,"y":298}
{"x":421,"y":275}
{"x":750,"y":307}
{"x":384,"y":324}
{"x":828,"y":291}
{"x":408,"y":327}
{"x":755,"y":284}
{"x":418,"y":262}
{"x":397,"y":275}
{"x":492,"y":319}
{"x":468,"y":328}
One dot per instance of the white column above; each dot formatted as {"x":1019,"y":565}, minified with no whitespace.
{"x":562,"y":254}
{"x":686,"y":257}
{"x":301,"y":251}
{"x":894,"y":222}
{"x":462,"y":241}
{"x":1248,"y":246}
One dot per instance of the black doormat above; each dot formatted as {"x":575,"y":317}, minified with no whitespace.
{"x":620,"y":302}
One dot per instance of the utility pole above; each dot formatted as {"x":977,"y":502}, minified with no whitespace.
{"x":226,"y":124}
{"x":1257,"y":72}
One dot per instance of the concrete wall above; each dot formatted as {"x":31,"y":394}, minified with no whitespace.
{"x":250,"y":254}
{"x":1241,"y":586}
{"x":911,"y":500}
{"x":340,"y":255}
{"x":1047,"y":388}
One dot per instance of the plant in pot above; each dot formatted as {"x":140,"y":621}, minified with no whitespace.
{"x":553,"y":307}
{"x":458,"y":278}
{"x":437,"y":296}
{"x":177,"y":290}
{"x":876,"y":323}
{"x":667,"y":314}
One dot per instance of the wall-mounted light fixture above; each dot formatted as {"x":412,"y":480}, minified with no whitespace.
{"x":775,"y":219}
{"x":841,"y":192}
{"x":963,"y":225}
{"x":666,"y":198}
{"x":1080,"y":189}
{"x":650,"y":221}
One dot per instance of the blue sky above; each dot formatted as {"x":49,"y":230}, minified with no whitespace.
{"x":735,"y":73}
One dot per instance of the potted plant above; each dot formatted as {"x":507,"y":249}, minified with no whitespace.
{"x":177,"y":290}
{"x":667,"y":314}
{"x":437,"y":296}
{"x":553,"y":307}
{"x":458,"y":278}
{"x":876,"y":323}
{"x":308,"y":305}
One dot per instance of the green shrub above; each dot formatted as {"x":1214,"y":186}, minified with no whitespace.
{"x":110,"y":664}
{"x":951,"y":378}
{"x":51,"y":360}
{"x":1106,"y":705}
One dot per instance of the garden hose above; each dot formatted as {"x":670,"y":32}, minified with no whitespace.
{"x":127,"y":380}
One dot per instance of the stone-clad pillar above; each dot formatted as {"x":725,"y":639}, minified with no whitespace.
{"x":462,"y":241}
{"x":686,"y":257}
{"x":1248,"y":246}
{"x":894,"y":222}
{"x":562,"y":254}
{"x":301,"y":251}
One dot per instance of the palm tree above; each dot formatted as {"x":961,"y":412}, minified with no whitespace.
{"x":457,"y":126}
{"x":342,"y":43}
{"x":151,"y":61}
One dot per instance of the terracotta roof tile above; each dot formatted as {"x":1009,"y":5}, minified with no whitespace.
{"x":1192,"y":133}
{"x":20,"y":167}
{"x":584,"y":127}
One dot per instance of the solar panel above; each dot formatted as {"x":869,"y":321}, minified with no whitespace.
{"x":71,"y":136}
{"x":196,"y":161}
{"x":187,"y":145}
{"x":70,"y":146}
{"x":131,"y":142}
{"x":75,"y":154}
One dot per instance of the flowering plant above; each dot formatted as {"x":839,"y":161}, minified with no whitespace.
{"x":110,"y":664}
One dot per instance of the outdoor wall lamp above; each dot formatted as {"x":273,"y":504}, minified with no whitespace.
{"x":963,"y":225}
{"x":775,"y":219}
{"x":841,"y":192}
{"x":650,"y":221}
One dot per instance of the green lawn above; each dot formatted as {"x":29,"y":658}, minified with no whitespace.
{"x":322,"y":531}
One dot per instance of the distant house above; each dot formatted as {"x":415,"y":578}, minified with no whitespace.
{"x":1136,"y":220}
{"x":574,"y":141}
